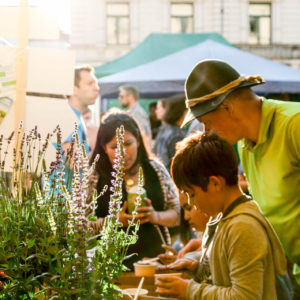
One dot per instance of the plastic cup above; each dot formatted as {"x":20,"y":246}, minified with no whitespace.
{"x":132,"y":198}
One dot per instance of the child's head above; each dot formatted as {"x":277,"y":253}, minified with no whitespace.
{"x":204,"y":164}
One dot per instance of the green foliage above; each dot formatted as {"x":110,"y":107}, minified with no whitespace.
{"x":47,"y":246}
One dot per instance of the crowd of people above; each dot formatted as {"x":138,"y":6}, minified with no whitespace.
{"x":250,"y":248}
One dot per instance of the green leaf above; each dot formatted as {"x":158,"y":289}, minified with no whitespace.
{"x":40,"y":222}
{"x":53,"y":250}
{"x":67,"y":269}
{"x":30,"y":243}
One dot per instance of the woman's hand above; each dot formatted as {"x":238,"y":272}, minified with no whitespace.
{"x":192,"y":245}
{"x":147,"y":213}
{"x":123,"y":216}
{"x":171,"y":286}
{"x":169,"y":256}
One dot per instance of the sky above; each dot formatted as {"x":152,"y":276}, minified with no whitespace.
{"x":61,"y":8}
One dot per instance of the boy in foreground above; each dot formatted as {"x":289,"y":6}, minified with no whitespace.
{"x":244,"y":252}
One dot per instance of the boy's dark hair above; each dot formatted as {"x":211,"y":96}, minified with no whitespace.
{"x":200,"y":156}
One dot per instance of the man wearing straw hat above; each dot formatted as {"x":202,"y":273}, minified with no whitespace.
{"x":268,"y":136}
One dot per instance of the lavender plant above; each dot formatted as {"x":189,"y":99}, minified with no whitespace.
{"x":46,"y":241}
{"x":114,"y":241}
{"x":26,"y":237}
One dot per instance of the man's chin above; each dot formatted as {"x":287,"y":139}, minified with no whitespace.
{"x":92,"y":101}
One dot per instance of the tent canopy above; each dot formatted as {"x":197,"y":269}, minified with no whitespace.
{"x":166,"y":76}
{"x":155,"y":46}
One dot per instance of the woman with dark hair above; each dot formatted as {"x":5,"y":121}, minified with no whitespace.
{"x":162,"y":204}
{"x":171,"y":112}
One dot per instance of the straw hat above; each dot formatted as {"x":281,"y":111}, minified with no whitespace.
{"x":208,"y":85}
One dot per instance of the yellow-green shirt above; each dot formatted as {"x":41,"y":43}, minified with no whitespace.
{"x":272,"y":168}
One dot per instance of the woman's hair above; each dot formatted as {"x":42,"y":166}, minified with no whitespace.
{"x":175,"y":107}
{"x":107,"y":131}
{"x":200,"y":156}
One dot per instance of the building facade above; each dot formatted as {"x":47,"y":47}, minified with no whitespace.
{"x":103,"y":30}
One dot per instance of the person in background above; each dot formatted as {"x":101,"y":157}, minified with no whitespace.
{"x":128,"y":97}
{"x":162,"y":206}
{"x":242,"y":180}
{"x":197,"y":221}
{"x":161,"y":110}
{"x":243,"y":251}
{"x":268,"y":136}
{"x":171,"y":112}
{"x":86,"y":91}
{"x":154,"y":122}
{"x":195,"y":126}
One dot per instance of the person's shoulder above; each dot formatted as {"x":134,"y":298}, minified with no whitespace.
{"x":159,"y":167}
{"x":244,"y":227}
{"x":139,"y":112}
{"x":288,"y":117}
{"x":175,"y":137}
{"x":156,"y":163}
{"x":292,"y":136}
{"x":285,"y":109}
{"x":247,"y":214}
{"x":285,"y":116}
{"x":243,"y":219}
{"x":181,"y":132}
{"x":137,"y":106}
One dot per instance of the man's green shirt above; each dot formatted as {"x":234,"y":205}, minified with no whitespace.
{"x":272,"y":168}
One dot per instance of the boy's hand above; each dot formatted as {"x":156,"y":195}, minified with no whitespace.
{"x":171,"y":286}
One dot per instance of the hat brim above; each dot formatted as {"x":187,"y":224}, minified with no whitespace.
{"x":210,"y":105}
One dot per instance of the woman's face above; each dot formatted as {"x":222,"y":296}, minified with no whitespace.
{"x":131,"y":145}
{"x":160,"y":111}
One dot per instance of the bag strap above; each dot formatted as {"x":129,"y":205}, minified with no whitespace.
{"x":243,"y":198}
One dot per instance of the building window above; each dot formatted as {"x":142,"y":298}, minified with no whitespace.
{"x":181,"y":17}
{"x":260,"y":23}
{"x":117,"y":31}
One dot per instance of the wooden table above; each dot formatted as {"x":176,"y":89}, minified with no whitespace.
{"x":129,"y":280}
